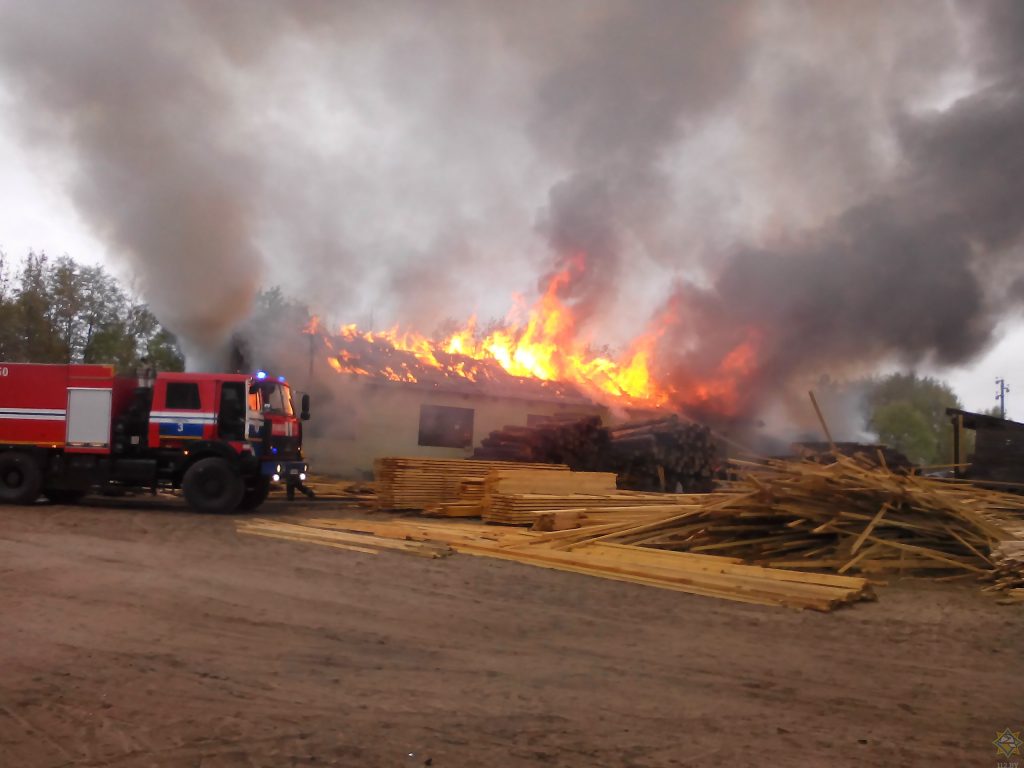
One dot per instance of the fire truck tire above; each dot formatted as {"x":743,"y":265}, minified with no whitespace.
{"x":21,"y":478}
{"x":255,"y":494}
{"x":211,"y":485}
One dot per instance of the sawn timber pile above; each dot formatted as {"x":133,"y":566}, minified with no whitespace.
{"x":709,"y":576}
{"x":418,"y":483}
{"x":519,"y":497}
{"x":845,"y":517}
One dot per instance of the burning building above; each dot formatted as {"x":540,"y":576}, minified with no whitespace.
{"x":403,"y":393}
{"x":390,"y":400}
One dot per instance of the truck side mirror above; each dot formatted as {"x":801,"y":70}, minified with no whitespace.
{"x":305,"y":408}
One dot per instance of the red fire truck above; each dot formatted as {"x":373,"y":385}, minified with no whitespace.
{"x":223,"y":439}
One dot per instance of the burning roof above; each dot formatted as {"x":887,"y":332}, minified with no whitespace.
{"x":540,"y":356}
{"x":386,"y":356}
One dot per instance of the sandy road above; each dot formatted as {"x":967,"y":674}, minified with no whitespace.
{"x":149,"y":636}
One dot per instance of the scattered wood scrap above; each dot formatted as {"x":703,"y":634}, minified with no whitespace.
{"x":821,"y":522}
{"x":846,"y":517}
{"x":349,"y":540}
{"x":418,"y":483}
{"x":1008,"y":572}
{"x":712,"y":576}
{"x":328,"y":488}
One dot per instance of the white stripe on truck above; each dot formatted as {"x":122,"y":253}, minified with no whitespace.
{"x":34,"y":414}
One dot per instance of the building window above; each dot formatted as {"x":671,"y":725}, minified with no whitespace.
{"x":183,"y":396}
{"x":445,"y":427}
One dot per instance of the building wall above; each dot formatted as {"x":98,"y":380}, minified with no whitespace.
{"x":383,"y":420}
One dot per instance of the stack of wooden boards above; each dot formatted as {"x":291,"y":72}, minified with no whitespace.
{"x":695,"y":574}
{"x":522,"y":496}
{"x":419,"y":483}
{"x":519,"y":497}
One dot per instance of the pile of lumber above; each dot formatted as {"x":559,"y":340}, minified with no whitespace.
{"x":419,"y":483}
{"x":872,"y":453}
{"x":328,"y":488}
{"x":469,"y":501}
{"x":347,"y":540}
{"x":578,"y":443}
{"x":1008,"y":573}
{"x":522,"y":496}
{"x":663,"y":454}
{"x":517,"y":497}
{"x":719,"y":577}
{"x":848,"y":516}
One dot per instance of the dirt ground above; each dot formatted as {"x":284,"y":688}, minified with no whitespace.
{"x":143,"y":635}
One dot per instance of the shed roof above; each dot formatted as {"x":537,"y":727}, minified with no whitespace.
{"x":984,"y":421}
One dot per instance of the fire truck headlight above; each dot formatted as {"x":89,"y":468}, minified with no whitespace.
{"x":302,"y":476}
{"x":276,"y":478}
{"x":278,"y":469}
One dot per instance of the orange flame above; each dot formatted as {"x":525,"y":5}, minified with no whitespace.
{"x":546,"y":347}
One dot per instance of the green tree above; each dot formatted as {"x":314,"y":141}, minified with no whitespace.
{"x":62,"y":312}
{"x":162,"y":352}
{"x":64,"y":287}
{"x":8,"y":334}
{"x":908,"y":412}
{"x":36,"y":338}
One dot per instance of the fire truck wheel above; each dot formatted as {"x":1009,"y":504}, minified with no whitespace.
{"x":20,"y":478}
{"x":210,"y":485}
{"x":255,"y":494}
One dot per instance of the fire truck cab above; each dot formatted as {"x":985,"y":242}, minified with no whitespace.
{"x":223,"y":439}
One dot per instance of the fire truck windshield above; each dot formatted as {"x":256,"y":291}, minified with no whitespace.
{"x":277,"y":398}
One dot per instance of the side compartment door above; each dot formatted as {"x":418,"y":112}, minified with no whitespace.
{"x":88,"y":420}
{"x":231,"y":411}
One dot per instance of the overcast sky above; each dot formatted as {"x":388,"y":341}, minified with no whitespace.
{"x":410,"y":162}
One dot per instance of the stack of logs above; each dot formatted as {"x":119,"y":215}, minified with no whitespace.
{"x":661,"y":454}
{"x":665,"y":454}
{"x":578,"y":443}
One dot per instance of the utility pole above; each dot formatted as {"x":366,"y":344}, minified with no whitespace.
{"x":1001,"y":396}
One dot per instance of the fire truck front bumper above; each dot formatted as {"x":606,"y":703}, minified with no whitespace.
{"x":290,"y":472}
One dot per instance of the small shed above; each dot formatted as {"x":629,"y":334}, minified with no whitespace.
{"x":998,"y":451}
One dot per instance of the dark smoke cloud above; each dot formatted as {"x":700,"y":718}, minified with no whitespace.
{"x":840,"y":179}
{"x":610,"y":108}
{"x":157,"y":172}
{"x":905,"y":274}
